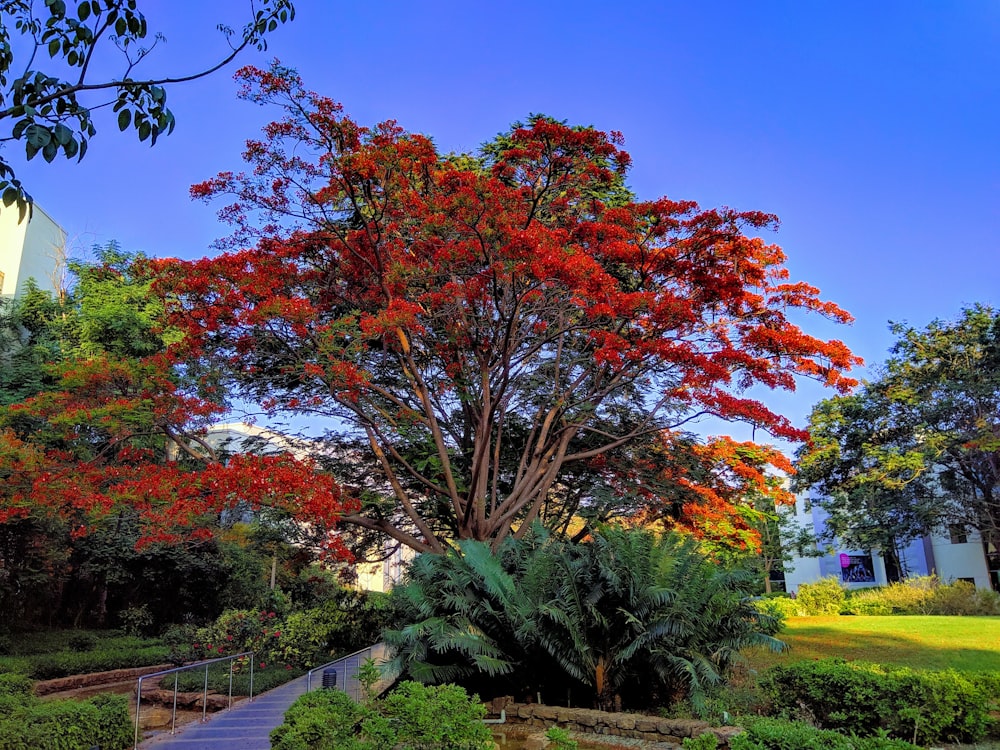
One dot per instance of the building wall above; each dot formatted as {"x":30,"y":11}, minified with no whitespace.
{"x":935,"y":554}
{"x":30,"y":248}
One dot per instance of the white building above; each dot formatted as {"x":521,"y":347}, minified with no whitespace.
{"x":957,"y":555}
{"x":32,"y":247}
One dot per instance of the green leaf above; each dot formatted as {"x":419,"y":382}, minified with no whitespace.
{"x":63,"y":134}
{"x":53,"y":47}
{"x":37,"y":135}
{"x":83,"y":12}
{"x":124,"y":118}
{"x":144,"y":130}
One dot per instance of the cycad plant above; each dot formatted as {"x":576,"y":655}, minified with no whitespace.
{"x":627,"y":615}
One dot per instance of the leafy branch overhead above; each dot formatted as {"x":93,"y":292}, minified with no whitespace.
{"x":48,"y":92}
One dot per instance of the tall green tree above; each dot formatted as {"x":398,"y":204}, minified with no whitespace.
{"x":918,"y":447}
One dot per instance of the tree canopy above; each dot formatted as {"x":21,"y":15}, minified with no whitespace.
{"x":48,"y":90}
{"x":479,"y":327}
{"x":97,"y":427}
{"x":916,"y":448}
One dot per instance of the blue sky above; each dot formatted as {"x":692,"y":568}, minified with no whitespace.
{"x":871,"y":129}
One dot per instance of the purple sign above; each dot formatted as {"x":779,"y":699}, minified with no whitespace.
{"x":845,"y":560}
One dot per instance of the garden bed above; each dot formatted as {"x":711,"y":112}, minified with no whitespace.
{"x":587,"y":721}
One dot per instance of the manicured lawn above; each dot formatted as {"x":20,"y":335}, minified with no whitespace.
{"x":968,"y":644}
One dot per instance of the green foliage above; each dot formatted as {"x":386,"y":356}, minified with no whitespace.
{"x":240,"y":630}
{"x":321,"y":720}
{"x":559,"y":739}
{"x":368,"y":675}
{"x":916,"y":448}
{"x":15,"y":685}
{"x":81,"y":642}
{"x":65,"y":663}
{"x":860,"y":698}
{"x":347,"y":621}
{"x":779,"y":607}
{"x":924,"y":595}
{"x":781,"y":734}
{"x":31,"y":724}
{"x":706,"y":741}
{"x":628,"y":613}
{"x":412,"y":717}
{"x":824,"y":597}
{"x":266,"y":676}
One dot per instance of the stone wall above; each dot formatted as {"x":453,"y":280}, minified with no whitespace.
{"x":46,"y":687}
{"x":636,"y":726}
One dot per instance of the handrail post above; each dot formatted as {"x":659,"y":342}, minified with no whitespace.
{"x":173,"y":714}
{"x":204,"y":698}
{"x":138,"y":702}
{"x":253,"y":658}
{"x":230,"y":685}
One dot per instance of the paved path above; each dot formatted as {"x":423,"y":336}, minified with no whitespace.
{"x":246,"y":726}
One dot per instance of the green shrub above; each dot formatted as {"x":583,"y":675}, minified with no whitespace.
{"x":102,"y":721}
{"x":81,"y":642}
{"x":136,"y":620}
{"x":238,"y":630}
{"x":706,"y":741}
{"x":559,"y":739}
{"x":265,"y":677}
{"x":780,"y":734}
{"x":435,"y":716}
{"x":924,"y":595}
{"x":412,"y":717}
{"x":65,"y":663}
{"x":825,"y":597}
{"x":321,"y":720}
{"x":864,"y":698}
{"x":866,"y":603}
{"x":963,"y":598}
{"x":780,"y":608}
{"x":15,"y":684}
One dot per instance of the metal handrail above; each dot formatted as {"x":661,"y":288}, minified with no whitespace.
{"x":370,"y":651}
{"x":204,"y":700}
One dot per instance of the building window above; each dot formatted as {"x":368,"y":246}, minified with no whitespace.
{"x":957,"y":534}
{"x":857,"y":569}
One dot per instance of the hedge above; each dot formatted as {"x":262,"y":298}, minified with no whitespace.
{"x":863,"y":699}
{"x":780,"y":734}
{"x":29,"y":724}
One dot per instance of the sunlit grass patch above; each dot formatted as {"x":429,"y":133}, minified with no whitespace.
{"x":967,"y":644}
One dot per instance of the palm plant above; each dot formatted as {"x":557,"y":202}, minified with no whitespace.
{"x":627,"y":615}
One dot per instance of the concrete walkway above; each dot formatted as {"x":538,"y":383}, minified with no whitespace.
{"x":246,"y":726}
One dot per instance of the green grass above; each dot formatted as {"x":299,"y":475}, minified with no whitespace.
{"x":966,"y":644}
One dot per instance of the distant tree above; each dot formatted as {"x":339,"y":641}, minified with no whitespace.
{"x":480,"y":327}
{"x":49,"y":106}
{"x":917,"y":448}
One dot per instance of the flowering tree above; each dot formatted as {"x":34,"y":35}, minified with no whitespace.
{"x":480,"y":326}
{"x":116,"y":435}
